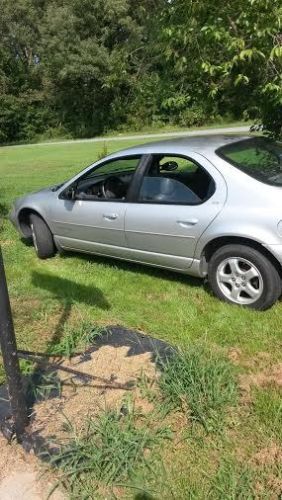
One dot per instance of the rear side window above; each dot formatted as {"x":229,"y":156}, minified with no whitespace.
{"x":260,"y":158}
{"x":175,"y":180}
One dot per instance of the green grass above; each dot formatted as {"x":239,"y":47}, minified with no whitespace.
{"x":56,"y":302}
{"x":268,"y":409}
{"x":232,"y":482}
{"x":201,"y":383}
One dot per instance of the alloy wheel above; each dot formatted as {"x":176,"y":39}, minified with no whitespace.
{"x":239,"y":280}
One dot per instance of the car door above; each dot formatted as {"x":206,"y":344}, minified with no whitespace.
{"x":93,"y":223}
{"x":179,"y":197}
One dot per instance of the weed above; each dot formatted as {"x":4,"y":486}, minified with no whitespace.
{"x":146,"y":386}
{"x":200,"y":382}
{"x":42,"y":385}
{"x":111,"y":450}
{"x":27,"y":367}
{"x":268,"y":409}
{"x":232,"y":482}
{"x":104,"y":151}
{"x":76,"y":337}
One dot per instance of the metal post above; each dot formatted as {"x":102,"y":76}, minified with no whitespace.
{"x":10,"y":358}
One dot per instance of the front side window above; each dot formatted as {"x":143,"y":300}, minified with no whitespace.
{"x":176,"y":180}
{"x":258,"y":157}
{"x":109,"y":181}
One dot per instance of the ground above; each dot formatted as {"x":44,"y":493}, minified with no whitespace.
{"x":56,"y":301}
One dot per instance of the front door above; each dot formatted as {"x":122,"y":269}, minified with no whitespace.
{"x":177,"y":201}
{"x":94,"y":220}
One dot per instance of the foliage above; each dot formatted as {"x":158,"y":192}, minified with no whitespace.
{"x":236,"y":52}
{"x":84,"y":67}
{"x":200,"y":382}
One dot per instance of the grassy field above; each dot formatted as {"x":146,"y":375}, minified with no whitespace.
{"x":49,"y":298}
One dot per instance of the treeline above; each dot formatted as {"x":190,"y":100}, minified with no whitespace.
{"x":82,"y":67}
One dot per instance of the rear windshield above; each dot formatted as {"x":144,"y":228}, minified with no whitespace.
{"x":258,"y":157}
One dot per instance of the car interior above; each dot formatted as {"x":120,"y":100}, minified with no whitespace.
{"x":105,"y":186}
{"x":176,"y":180}
{"x":167,"y":180}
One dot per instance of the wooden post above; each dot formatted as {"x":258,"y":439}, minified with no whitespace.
{"x":10,"y":358}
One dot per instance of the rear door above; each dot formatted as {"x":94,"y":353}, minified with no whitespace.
{"x":175,"y":204}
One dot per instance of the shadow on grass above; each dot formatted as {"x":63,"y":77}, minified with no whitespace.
{"x":135,"y":267}
{"x":68,"y":293}
{"x":3,"y":210}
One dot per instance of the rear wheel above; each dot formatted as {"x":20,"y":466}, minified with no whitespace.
{"x":242,"y":275}
{"x":42,"y":237}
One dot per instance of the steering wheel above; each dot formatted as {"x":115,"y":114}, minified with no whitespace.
{"x":113,"y":187}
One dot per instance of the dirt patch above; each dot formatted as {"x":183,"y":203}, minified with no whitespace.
{"x":90,"y":384}
{"x":269,"y":377}
{"x":270,"y":455}
{"x":82,"y":387}
{"x":275,"y":485}
{"x":21,"y":476}
{"x":234,"y":354}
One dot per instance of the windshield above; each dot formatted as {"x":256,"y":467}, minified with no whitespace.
{"x":258,"y":157}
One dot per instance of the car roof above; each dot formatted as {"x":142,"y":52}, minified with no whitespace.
{"x":203,"y":144}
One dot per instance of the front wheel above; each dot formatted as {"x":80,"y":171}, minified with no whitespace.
{"x":42,"y":237}
{"x":242,"y":275}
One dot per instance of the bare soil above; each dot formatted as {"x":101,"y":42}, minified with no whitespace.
{"x":89,"y":383}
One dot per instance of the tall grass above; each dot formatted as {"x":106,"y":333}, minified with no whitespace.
{"x":268,"y":409}
{"x":232,"y":481}
{"x":75,"y":337}
{"x":200,"y":382}
{"x":111,"y":450}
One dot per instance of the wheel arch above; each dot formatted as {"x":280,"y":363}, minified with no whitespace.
{"x":24,"y":222}
{"x":216,"y":243}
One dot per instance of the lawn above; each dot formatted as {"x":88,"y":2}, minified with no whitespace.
{"x":51,"y":297}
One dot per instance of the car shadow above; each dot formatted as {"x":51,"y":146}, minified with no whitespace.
{"x":135,"y":267}
{"x":69,"y":292}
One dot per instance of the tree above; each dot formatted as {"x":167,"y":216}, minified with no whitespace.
{"x":234,"y":52}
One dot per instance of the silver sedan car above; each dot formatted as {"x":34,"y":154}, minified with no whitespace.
{"x":204,"y":206}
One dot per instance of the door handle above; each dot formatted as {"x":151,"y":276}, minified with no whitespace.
{"x":110,"y":216}
{"x":188,"y":222}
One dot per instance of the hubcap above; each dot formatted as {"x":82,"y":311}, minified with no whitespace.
{"x":239,"y":280}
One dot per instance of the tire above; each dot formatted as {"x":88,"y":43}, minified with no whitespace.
{"x":244,"y":276}
{"x":42,"y":237}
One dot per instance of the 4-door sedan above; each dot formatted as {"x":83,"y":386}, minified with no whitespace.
{"x":204,"y":206}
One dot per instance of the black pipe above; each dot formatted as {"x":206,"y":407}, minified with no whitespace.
{"x":10,"y":359}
